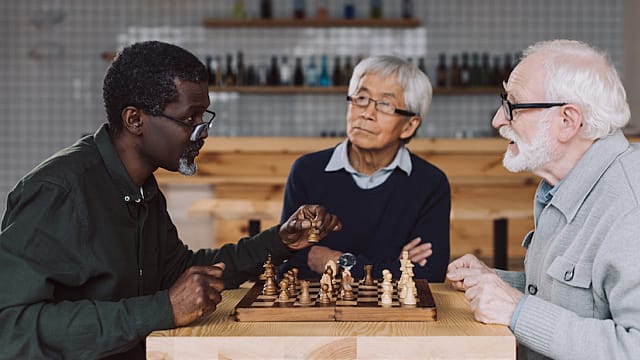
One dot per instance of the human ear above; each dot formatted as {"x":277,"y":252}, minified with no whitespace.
{"x":572,"y":120}
{"x":410,"y":127}
{"x":132,"y":120}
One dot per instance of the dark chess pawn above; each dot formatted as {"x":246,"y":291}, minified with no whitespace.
{"x":368,"y":279}
{"x":284,"y":293}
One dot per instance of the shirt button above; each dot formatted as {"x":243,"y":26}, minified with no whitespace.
{"x":568,"y":276}
{"x":127,"y":198}
{"x":532,"y":289}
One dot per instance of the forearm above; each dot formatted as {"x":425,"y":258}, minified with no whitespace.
{"x":81,"y":329}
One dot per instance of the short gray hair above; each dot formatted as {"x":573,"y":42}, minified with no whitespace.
{"x":415,"y":83}
{"x":579,"y":74}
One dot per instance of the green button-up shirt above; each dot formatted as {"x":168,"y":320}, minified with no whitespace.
{"x":86,"y":260}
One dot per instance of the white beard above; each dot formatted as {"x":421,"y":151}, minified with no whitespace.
{"x":532,"y":156}
{"x":185,"y":167}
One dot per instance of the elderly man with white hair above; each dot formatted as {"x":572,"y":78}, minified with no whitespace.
{"x":563,"y":110}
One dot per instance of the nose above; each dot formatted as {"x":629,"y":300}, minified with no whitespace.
{"x":367,"y":110}
{"x":499,"y":119}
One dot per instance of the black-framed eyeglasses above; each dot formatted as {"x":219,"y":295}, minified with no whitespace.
{"x":381,"y":105}
{"x":196,"y":134}
{"x":508,"y":107}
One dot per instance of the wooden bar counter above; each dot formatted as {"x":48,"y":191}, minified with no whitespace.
{"x":454,"y":335}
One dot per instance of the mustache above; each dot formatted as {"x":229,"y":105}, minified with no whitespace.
{"x":507,"y":133}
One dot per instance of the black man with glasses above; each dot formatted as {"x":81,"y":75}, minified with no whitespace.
{"x":388,"y":199}
{"x":91,"y":261}
{"x":563,"y":112}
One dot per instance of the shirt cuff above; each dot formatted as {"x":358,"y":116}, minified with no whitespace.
{"x":516,"y":313}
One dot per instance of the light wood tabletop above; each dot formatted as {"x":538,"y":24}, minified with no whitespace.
{"x":455,"y":334}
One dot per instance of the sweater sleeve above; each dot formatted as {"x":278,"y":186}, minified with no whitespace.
{"x":559,"y":333}
{"x":41,"y":249}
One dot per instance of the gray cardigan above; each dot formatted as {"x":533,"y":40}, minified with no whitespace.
{"x":582,"y":268}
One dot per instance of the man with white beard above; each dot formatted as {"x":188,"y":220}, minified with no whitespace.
{"x":563,"y":110}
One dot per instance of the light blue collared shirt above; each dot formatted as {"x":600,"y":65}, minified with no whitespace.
{"x":340,"y":160}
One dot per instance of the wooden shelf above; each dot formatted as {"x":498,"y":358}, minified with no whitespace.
{"x":278,"y":90}
{"x":313,"y":22}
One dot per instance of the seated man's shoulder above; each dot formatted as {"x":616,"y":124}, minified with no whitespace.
{"x":425,"y":168}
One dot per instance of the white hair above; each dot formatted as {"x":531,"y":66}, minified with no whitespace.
{"x":579,"y":74}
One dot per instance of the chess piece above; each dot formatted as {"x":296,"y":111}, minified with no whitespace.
{"x":409,"y":296}
{"x":295,"y":271}
{"x":368,"y":279}
{"x":314,"y":232}
{"x":323,"y":296}
{"x":346,"y":286}
{"x":327,"y":278}
{"x":292,"y":285}
{"x":270,"y":287}
{"x":284,"y":293}
{"x":305,"y":298}
{"x":387,"y":288}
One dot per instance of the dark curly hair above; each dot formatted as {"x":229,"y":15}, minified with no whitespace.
{"x":143,"y":75}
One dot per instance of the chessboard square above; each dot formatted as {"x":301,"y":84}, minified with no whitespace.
{"x":367,"y":293}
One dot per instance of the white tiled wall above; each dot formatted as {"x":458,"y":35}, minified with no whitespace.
{"x":51,"y":70}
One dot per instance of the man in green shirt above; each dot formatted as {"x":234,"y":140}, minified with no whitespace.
{"x":90,"y":261}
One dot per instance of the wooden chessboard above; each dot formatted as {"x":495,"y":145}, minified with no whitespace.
{"x":255,"y":306}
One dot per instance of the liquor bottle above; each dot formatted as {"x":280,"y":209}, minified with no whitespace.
{"x":265,"y":9}
{"x":349,"y":10}
{"x":211,"y":69}
{"x":238,"y":9}
{"x":299,"y":9}
{"x":476,"y":70}
{"x":422,"y":66}
{"x":506,"y":67}
{"x":324,"y":72}
{"x":240,"y":70}
{"x":376,"y":9}
{"x":273,"y":77}
{"x":322,"y":10}
{"x":285,"y":72}
{"x":229,"y":76}
{"x":442,"y":71}
{"x":465,"y":71}
{"x":454,"y":72}
{"x":407,"y":9}
{"x":337,"y":77}
{"x":251,"y":79}
{"x":486,"y":70}
{"x":298,"y":73}
{"x":496,"y":73}
{"x":311,"y":75}
{"x":348,"y":69}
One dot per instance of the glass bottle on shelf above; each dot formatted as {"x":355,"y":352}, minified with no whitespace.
{"x":324,"y":72}
{"x":465,"y":71}
{"x":422,"y":66}
{"x":506,"y":67}
{"x":349,"y":9}
{"x":496,"y":72}
{"x":265,"y":9}
{"x":273,"y":77}
{"x":211,"y":69}
{"x":299,"y":9}
{"x":229,"y":76}
{"x":376,"y":9}
{"x":322,"y":10}
{"x":442,"y":71}
{"x":407,"y":9}
{"x":251,"y":79}
{"x":348,"y":69}
{"x":337,"y":77}
{"x":240,"y":70}
{"x":311,"y":75}
{"x":476,"y":70}
{"x":238,"y":9}
{"x":298,"y":73}
{"x":454,"y":72}
{"x":285,"y":72}
{"x":486,"y":70}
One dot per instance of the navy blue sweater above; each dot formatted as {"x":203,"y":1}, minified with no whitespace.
{"x":376,"y":222}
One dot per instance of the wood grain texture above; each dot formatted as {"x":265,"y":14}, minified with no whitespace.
{"x":455,"y":335}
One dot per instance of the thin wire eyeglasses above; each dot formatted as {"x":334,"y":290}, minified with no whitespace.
{"x":381,"y":105}
{"x":196,"y":134}
{"x":508,"y":107}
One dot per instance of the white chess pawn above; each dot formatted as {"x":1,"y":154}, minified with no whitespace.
{"x":387,"y":288}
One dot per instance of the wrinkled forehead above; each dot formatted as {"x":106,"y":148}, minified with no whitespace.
{"x":527,"y":79}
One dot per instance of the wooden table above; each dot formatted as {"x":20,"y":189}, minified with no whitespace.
{"x":454,"y":335}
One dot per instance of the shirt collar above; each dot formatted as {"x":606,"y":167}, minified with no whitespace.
{"x":130,"y":192}
{"x":587,"y":172}
{"x":340,"y":160}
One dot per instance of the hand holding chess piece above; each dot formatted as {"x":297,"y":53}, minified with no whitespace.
{"x":308,"y":224}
